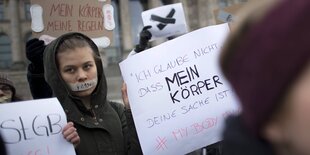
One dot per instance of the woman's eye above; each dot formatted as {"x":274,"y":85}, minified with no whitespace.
{"x":69,"y":70}
{"x":88,"y":66}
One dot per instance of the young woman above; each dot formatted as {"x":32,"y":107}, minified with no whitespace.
{"x":74,"y":72}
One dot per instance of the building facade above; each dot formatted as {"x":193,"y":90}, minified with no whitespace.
{"x":15,"y":31}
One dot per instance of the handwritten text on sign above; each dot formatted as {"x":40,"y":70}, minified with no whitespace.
{"x":57,"y":17}
{"x":35,"y":130}
{"x":167,"y":20}
{"x":178,"y":96}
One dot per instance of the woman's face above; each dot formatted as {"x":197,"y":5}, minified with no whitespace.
{"x":291,"y":127}
{"x":78,"y":69}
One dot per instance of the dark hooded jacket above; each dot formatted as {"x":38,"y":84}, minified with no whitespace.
{"x":104,"y":129}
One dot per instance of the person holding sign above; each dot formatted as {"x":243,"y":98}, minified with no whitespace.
{"x":268,"y":65}
{"x":144,"y":37}
{"x":73,"y":70}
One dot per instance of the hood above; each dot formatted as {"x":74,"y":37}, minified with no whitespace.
{"x":58,"y":85}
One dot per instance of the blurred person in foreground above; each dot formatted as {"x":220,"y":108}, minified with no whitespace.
{"x":267,"y":62}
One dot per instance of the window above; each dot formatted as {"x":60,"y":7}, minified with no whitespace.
{"x":2,"y":10}
{"x":113,"y":52}
{"x":5,"y":52}
{"x":27,"y":10}
{"x":136,"y":9}
{"x":28,"y":36}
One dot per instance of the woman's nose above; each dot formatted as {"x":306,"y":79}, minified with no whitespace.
{"x":82,"y":76}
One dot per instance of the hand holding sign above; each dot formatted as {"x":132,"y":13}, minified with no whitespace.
{"x":70,"y":134}
{"x":125,"y":96}
{"x":145,"y":36}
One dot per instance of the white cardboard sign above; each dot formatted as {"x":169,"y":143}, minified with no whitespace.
{"x":168,"y":20}
{"x":34,"y":127}
{"x":177,"y":93}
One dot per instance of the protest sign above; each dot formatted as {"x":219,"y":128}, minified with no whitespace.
{"x":177,"y":93}
{"x":34,"y":127}
{"x":92,"y":17}
{"x":168,"y":20}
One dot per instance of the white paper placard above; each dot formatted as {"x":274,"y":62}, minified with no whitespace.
{"x":34,"y":127}
{"x":177,"y":93}
{"x":168,"y":20}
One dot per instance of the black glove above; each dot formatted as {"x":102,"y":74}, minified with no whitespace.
{"x":34,"y":53}
{"x":145,"y":36}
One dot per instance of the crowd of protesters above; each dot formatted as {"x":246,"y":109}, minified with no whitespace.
{"x":265,"y":58}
